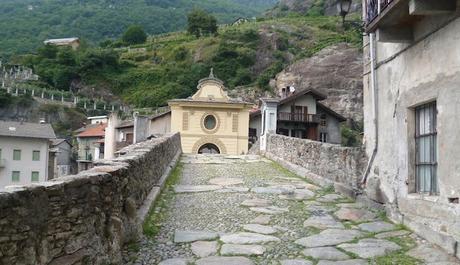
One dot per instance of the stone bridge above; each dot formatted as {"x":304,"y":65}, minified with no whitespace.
{"x":227,"y":210}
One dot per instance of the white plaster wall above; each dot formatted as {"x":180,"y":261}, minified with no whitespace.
{"x":255,"y":123}
{"x":25,"y":165}
{"x":306,"y":100}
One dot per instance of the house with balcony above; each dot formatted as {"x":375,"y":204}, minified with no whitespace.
{"x":24,"y":153}
{"x":411,"y":102}
{"x":90,"y":139}
{"x":301,"y":115}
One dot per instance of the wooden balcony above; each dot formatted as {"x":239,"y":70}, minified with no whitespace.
{"x":298,"y":117}
{"x":394,"y":19}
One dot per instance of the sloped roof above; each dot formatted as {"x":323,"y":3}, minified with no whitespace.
{"x":154,"y":117}
{"x":61,"y":41}
{"x":56,"y":142}
{"x":315,"y":93}
{"x":27,"y":130}
{"x":93,"y":131}
{"x":125,"y":124}
{"x":330,"y":111}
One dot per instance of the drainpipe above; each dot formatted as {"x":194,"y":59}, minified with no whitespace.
{"x":375,"y":111}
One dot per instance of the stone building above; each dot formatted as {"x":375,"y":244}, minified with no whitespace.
{"x":301,"y":115}
{"x":24,"y":152}
{"x":210,"y":121}
{"x":411,"y":104}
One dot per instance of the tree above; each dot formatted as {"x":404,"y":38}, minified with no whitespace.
{"x":48,"y":51}
{"x":134,"y":35}
{"x":200,"y":23}
{"x":66,"y":56}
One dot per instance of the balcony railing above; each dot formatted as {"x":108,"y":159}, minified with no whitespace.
{"x":299,"y":117}
{"x":374,"y":8}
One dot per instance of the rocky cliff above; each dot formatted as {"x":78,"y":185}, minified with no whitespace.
{"x":335,"y":71}
{"x":64,"y":119}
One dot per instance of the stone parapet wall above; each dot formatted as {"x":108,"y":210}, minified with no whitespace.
{"x":85,"y":218}
{"x":323,"y":163}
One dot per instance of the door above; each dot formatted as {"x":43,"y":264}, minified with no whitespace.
{"x":312,"y":133}
{"x":129,"y":138}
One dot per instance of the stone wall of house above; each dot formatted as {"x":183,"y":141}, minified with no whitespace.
{"x":407,"y":76}
{"x":323,"y":163}
{"x":85,"y":218}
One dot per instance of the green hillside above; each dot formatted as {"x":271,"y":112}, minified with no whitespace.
{"x":169,"y":66}
{"x":25,"y":24}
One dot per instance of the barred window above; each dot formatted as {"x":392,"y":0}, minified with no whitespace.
{"x":426,"y":148}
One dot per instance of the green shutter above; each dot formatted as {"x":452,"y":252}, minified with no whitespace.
{"x":15,"y":176}
{"x":16,"y":154}
{"x":35,"y":177}
{"x":36,"y":155}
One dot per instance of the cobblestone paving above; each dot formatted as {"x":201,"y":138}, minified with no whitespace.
{"x":237,"y":210}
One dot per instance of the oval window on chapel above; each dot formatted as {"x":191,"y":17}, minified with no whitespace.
{"x":210,"y":122}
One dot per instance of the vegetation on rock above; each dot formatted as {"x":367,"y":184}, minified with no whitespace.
{"x":169,"y":66}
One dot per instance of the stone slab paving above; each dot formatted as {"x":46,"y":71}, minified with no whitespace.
{"x":256,"y":203}
{"x":325,"y":253}
{"x":248,"y":238}
{"x":181,"y":236}
{"x":370,"y":247}
{"x":242,"y":250}
{"x":295,"y":262}
{"x":345,"y":262}
{"x":329,"y":237}
{"x":261,"y":219}
{"x":261,"y":229}
{"x":377,"y":227}
{"x":323,"y":221}
{"x":398,"y":233}
{"x":196,"y":188}
{"x":244,"y":210}
{"x":356,"y":215}
{"x":224,"y":261}
{"x":226,"y":181}
{"x":431,"y":255}
{"x":204,"y":248}
{"x":269,"y":210}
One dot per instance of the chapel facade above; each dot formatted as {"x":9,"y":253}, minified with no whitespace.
{"x":210,"y":121}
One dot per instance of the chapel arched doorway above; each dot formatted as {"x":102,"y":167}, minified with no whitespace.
{"x":209,"y":149}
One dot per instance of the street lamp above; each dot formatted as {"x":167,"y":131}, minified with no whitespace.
{"x":343,"y":7}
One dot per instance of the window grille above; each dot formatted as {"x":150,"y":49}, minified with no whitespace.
{"x":426,"y":149}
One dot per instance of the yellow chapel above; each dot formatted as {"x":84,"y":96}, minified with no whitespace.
{"x":210,"y":121}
